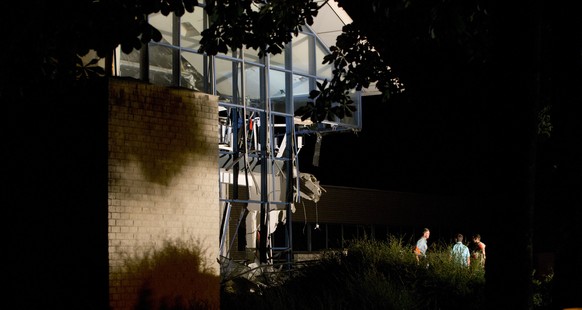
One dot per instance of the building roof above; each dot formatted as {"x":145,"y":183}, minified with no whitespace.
{"x":330,"y":21}
{"x":328,"y":26}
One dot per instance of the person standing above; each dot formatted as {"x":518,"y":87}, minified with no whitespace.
{"x":422,"y":245}
{"x":460,"y":252}
{"x":478,"y":252}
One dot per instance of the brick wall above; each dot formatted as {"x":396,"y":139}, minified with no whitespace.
{"x":163,"y":196}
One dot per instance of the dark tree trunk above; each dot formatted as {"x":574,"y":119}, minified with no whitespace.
{"x":513,"y":103}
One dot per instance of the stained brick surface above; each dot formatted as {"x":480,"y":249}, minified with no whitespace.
{"x":163,"y":176}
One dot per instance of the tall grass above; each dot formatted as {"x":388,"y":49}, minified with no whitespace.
{"x":372,"y":275}
{"x":369,"y":274}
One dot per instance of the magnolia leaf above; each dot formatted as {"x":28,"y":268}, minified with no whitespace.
{"x":313,"y":94}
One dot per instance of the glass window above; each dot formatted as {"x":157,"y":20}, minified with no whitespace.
{"x":301,"y":88}
{"x":320,"y":52}
{"x":183,"y":66}
{"x":163,"y":24}
{"x":354,"y":120}
{"x":191,"y":27}
{"x":227,"y":76}
{"x":192,"y":71}
{"x":278,"y":60}
{"x":253,"y":87}
{"x":301,"y":85}
{"x":129,"y":64}
{"x":301,"y":53}
{"x":251,"y":55}
{"x":160,"y":64}
{"x":277,"y":90}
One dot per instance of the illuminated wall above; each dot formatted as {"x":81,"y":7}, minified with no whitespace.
{"x":163,"y":195}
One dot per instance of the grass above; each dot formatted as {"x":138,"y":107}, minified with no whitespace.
{"x":371,"y":275}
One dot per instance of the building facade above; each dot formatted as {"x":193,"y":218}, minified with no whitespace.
{"x":203,"y":153}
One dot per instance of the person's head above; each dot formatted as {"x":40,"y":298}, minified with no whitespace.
{"x":426,"y":233}
{"x":476,"y":238}
{"x":459,"y":238}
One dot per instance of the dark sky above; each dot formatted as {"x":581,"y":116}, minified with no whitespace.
{"x":398,"y":148}
{"x":459,"y":127}
{"x":428,"y":139}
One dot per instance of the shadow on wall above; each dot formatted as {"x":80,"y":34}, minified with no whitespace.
{"x":161,"y":134}
{"x":173,"y":277}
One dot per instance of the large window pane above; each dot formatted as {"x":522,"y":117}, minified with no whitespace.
{"x":251,"y":55}
{"x":253,"y":86}
{"x":301,"y":88}
{"x":160,"y":64}
{"x":277,"y":90}
{"x":301,"y":85}
{"x":191,"y":27}
{"x":301,"y":55}
{"x":129,"y":64}
{"x":278,"y":60}
{"x":225,"y":80}
{"x":192,"y":70}
{"x":323,"y":71}
{"x":163,"y":24}
{"x":355,"y":119}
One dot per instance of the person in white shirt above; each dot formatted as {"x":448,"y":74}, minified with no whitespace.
{"x":421,"y":245}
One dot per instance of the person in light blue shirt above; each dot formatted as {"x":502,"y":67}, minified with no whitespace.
{"x":460,"y":252}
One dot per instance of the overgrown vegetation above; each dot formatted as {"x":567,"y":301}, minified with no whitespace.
{"x":542,"y":297}
{"x":372,"y":274}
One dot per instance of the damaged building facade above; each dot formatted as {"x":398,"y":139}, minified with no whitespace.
{"x":159,"y":160}
{"x":259,"y":137}
{"x":240,"y":185}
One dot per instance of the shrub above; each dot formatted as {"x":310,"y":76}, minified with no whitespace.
{"x":372,"y":275}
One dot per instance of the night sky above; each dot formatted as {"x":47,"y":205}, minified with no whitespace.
{"x":401,"y":147}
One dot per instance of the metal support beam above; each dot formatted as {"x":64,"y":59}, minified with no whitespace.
{"x":264,"y":225}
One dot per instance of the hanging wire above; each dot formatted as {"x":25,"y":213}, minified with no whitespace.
{"x":304,"y":217}
{"x":316,"y":217}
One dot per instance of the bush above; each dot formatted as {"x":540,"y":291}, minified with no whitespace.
{"x":372,"y":275}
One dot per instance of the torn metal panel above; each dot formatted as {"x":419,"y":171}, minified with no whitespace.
{"x":309,"y":187}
